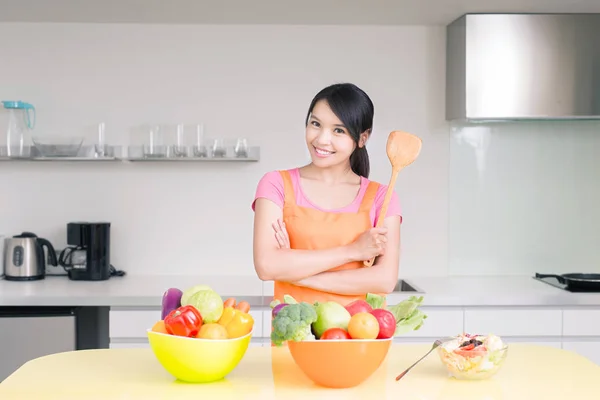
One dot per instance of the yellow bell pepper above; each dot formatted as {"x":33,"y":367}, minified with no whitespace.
{"x":227,"y":316}
{"x":236,"y":322}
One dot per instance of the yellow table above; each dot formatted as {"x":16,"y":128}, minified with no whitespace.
{"x":530,"y":373}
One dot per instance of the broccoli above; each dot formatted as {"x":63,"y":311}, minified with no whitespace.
{"x":293,"y":322}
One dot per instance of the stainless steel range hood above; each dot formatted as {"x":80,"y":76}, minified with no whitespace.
{"x":523,"y":66}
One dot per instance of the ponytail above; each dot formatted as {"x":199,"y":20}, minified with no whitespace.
{"x":359,"y":162}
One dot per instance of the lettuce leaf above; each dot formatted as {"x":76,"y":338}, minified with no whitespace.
{"x":287,"y":299}
{"x":375,"y":300}
{"x":408,"y":315}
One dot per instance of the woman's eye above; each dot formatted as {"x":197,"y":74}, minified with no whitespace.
{"x":339,"y":130}
{"x":315,"y":123}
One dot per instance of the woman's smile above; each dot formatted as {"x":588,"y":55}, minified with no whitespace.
{"x":322,"y":152}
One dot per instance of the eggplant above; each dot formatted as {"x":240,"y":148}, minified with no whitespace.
{"x":278,"y":308}
{"x":171,"y":300}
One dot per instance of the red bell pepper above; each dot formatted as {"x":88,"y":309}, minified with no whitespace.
{"x":184,"y":321}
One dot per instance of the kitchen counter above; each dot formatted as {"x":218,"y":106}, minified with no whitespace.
{"x":147,"y":290}
{"x":497,"y":291}
{"x":530,"y":372}
{"x":125,"y":291}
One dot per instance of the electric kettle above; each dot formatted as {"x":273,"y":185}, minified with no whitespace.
{"x":24,"y":258}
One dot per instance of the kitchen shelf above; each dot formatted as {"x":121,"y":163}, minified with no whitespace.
{"x":191,"y":159}
{"x":135,"y":155}
{"x":86,"y":153}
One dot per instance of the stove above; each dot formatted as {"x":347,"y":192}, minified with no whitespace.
{"x":553,"y":281}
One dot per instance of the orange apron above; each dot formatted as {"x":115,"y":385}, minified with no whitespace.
{"x":312,"y":229}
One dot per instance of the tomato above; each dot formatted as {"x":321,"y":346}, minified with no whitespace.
{"x":335,"y":334}
{"x":470,"y":351}
{"x":363,"y":325}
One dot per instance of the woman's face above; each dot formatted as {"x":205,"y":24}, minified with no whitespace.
{"x":328,"y":140}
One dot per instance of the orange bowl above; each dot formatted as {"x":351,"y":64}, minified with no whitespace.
{"x":339,"y":363}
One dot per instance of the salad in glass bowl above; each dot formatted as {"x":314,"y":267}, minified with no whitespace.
{"x":473,"y":356}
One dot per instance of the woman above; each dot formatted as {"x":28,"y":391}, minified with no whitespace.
{"x":314,"y":225}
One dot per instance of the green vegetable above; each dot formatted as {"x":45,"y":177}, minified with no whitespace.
{"x":293,"y":322}
{"x":209,"y":303}
{"x":374,"y":300}
{"x":274,"y":303}
{"x":187,"y":293}
{"x":330,"y":315}
{"x":287,"y":299}
{"x":407,"y":313}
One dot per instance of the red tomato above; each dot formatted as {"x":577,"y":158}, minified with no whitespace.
{"x":335,"y":334}
{"x":471,"y":351}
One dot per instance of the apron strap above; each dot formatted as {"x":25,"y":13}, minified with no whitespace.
{"x":288,"y":188}
{"x":369,"y":197}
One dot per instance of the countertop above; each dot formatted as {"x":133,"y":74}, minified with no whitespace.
{"x":530,"y":372}
{"x":147,"y":290}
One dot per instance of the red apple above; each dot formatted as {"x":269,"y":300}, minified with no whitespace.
{"x":358,"y":306}
{"x":387,"y":323}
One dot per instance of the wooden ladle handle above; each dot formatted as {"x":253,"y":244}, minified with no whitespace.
{"x":384,"y":208}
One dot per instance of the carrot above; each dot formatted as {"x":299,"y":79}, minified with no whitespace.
{"x":230,"y":302}
{"x":243,"y":306}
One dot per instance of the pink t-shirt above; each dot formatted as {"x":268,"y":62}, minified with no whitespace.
{"x":271,"y":187}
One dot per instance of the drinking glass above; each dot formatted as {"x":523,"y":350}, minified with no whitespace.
{"x":154,"y":144}
{"x":199,"y":149}
{"x":241,"y":148}
{"x":100,"y":149}
{"x":218,"y":149}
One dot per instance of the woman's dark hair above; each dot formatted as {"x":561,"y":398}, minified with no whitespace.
{"x":355,"y":109}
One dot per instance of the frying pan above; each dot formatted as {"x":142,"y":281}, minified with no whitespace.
{"x":576,"y":281}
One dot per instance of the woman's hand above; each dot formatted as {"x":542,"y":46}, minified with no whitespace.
{"x":369,"y":244}
{"x":283,"y":240}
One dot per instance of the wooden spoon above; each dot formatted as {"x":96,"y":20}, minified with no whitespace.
{"x":402,"y":149}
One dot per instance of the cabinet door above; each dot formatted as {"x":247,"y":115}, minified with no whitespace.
{"x":257,"y":330}
{"x":24,"y":338}
{"x":131,"y":323}
{"x":256,"y":342}
{"x":521,"y":321}
{"x":581,"y":322}
{"x":440,"y":322}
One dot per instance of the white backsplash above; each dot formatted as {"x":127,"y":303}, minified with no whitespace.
{"x":524,"y":197}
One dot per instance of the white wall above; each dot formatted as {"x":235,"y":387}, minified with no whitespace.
{"x":248,"y":81}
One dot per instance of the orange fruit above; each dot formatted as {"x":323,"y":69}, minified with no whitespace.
{"x":363,"y":325}
{"x":212,"y":331}
{"x":160,"y":327}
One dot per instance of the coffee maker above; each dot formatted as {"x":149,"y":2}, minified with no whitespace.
{"x":88,"y":258}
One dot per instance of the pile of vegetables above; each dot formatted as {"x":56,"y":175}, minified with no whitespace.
{"x":199,"y":312}
{"x":361,"y":319}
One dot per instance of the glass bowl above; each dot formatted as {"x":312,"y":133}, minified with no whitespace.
{"x":57,"y":146}
{"x":472,"y":364}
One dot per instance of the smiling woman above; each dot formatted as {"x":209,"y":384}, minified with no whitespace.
{"x":314,"y":225}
